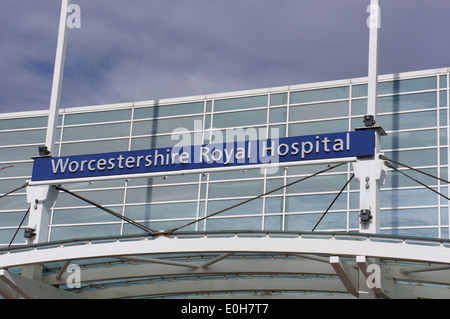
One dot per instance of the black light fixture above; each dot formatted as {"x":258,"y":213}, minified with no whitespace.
{"x":369,"y":120}
{"x":29,"y":232}
{"x":365,"y":215}
{"x":43,"y":151}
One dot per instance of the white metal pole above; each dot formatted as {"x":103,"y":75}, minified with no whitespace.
{"x":374,"y":25}
{"x":372,"y":95}
{"x":57,"y":78}
{"x":42,"y":198}
{"x":371,"y":171}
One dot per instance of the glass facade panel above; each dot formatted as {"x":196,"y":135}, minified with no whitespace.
{"x":407,"y":85}
{"x":443,"y":81}
{"x":12,"y":219}
{"x":238,"y":223}
{"x":359,"y":90}
{"x":404,"y":121}
{"x":97,"y":117}
{"x":323,"y":183}
{"x":274,"y":205}
{"x":238,"y":174}
{"x":23,"y":123}
{"x":162,"y":211}
{"x":273,"y":223}
{"x":306,"y":222}
{"x":162,"y":194}
{"x":247,"y":118}
{"x":96,"y":131}
{"x":413,"y":112}
{"x":278,"y":99}
{"x":414,"y":158}
{"x":409,"y":217}
{"x":398,"y":86}
{"x":442,"y":98}
{"x":321,"y":127}
{"x":276,"y":131}
{"x":410,"y":139}
{"x":359,"y":107}
{"x":310,"y":169}
{"x":414,"y":232}
{"x":407,"y":102}
{"x":398,"y":103}
{"x":84,"y":216}
{"x":443,"y":137}
{"x":277,"y":115}
{"x":275,"y":183}
{"x":14,"y":202}
{"x":102,"y":197}
{"x":442,"y":118}
{"x":250,"y":208}
{"x":395,"y":179}
{"x":84,"y":231}
{"x":6,"y":235}
{"x":314,"y":203}
{"x":19,"y":153}
{"x":129,"y":229}
{"x":173,"y":179}
{"x":326,"y":94}
{"x":143,"y":143}
{"x":408,"y":198}
{"x":104,"y":146}
{"x":318,"y":111}
{"x":8,"y":184}
{"x":235,"y":189}
{"x":162,"y":126}
{"x":21,"y":137}
{"x":169,"y":110}
{"x":240,"y":103}
{"x":16,"y":169}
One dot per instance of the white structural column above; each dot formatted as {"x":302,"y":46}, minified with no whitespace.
{"x":15,"y":287}
{"x":346,"y":273}
{"x":371,"y":175}
{"x":372,"y":87}
{"x":57,"y":78}
{"x":42,"y":198}
{"x":371,"y":171}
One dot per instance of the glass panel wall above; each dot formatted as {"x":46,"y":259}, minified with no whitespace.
{"x":414,"y":111}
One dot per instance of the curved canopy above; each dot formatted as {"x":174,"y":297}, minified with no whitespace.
{"x":231,"y":264}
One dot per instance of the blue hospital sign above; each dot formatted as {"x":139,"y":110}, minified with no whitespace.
{"x":198,"y":157}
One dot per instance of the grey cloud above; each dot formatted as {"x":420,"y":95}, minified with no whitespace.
{"x":142,"y":50}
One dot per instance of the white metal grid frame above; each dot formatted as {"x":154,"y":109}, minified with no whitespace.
{"x":209,"y":113}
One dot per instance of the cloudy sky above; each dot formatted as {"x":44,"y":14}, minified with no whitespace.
{"x":153,"y":49}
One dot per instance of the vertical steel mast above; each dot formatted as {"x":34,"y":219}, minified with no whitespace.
{"x":372,"y":86}
{"x":371,"y":171}
{"x":42,"y":198}
{"x":57,"y":79}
